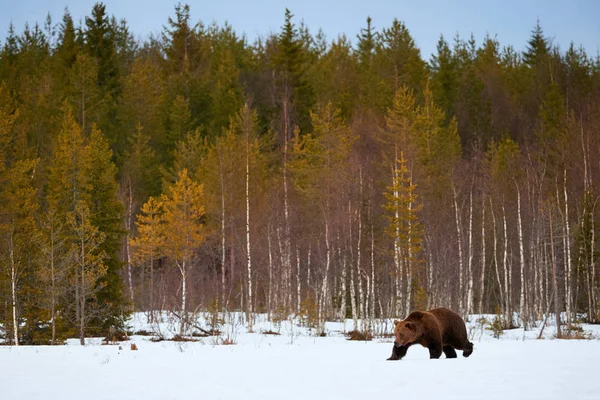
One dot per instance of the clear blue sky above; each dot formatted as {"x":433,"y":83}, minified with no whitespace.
{"x":511,"y":20}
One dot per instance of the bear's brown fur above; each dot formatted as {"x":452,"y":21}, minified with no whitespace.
{"x":440,"y":330}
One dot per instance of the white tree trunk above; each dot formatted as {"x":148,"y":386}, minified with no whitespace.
{"x":555,"y":282}
{"x":53,"y":286}
{"x":127,"y":246}
{"x":270,"y":295}
{"x":409,"y":271}
{"x":287,"y":239}
{"x":483,"y":261}
{"x":372,"y":296}
{"x":298,"y":282}
{"x":461,"y":292}
{"x":13,"y":290}
{"x":568,"y":273}
{"x":359,"y":271}
{"x":223,"y":249}
{"x":496,"y":262}
{"x":343,"y":291}
{"x":352,"y":281}
{"x":594,"y":305}
{"x":397,"y":262}
{"x":470,"y":259}
{"x":507,"y":309}
{"x":183,"y":318}
{"x":83,"y":294}
{"x":522,"y":261}
{"x":248,"y":252}
{"x":324,"y":288}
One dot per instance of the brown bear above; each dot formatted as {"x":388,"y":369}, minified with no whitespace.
{"x":440,"y":330}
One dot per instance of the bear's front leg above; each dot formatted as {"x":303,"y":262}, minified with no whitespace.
{"x":435,"y":350}
{"x":398,"y":352}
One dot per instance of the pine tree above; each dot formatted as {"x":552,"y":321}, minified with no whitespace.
{"x":105,"y":213}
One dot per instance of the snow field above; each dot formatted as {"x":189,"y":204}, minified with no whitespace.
{"x":301,"y":366}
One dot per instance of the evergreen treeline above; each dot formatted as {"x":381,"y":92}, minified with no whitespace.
{"x":292,"y":175}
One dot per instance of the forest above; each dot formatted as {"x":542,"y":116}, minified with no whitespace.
{"x":296,"y":175}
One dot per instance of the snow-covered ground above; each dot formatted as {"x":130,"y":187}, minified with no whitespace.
{"x":298,"y":365}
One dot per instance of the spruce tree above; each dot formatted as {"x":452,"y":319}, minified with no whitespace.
{"x":106,"y":213}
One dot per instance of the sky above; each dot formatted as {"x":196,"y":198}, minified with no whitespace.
{"x":511,"y":21}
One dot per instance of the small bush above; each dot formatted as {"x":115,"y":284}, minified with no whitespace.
{"x":228,"y":342}
{"x":115,"y":335}
{"x":308,"y":312}
{"x":496,"y":327}
{"x":358,"y":335}
{"x":270,"y":332}
{"x":575,"y":332}
{"x":142,"y":332}
{"x":179,"y":338}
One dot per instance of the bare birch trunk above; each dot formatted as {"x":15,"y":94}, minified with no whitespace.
{"x":270,"y":292}
{"x":298,"y":282}
{"x":496,"y":263}
{"x":397,"y":262}
{"x":507,"y":310}
{"x":223,"y":249}
{"x":409,"y":271}
{"x":325,"y":276}
{"x":372,"y":273}
{"x":82,"y":315}
{"x":555,"y":281}
{"x":13,"y":291}
{"x":183,"y":299}
{"x":248,"y":252}
{"x":568,"y":272}
{"x":461,"y":299}
{"x":352,"y":281}
{"x":361,"y":299}
{"x":53,"y":287}
{"x":470,"y":259}
{"x":483,"y":262}
{"x":594,"y":305}
{"x":522,"y":261}
{"x":287,"y":240}
{"x":127,"y":246}
{"x":343,"y":290}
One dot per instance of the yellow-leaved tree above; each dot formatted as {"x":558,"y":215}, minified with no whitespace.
{"x":183,"y":230}
{"x":147,"y":245}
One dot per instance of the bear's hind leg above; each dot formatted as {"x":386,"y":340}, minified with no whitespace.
{"x":398,"y":352}
{"x":449,"y":352}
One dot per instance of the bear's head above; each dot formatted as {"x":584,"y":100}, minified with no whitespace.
{"x":405,"y":332}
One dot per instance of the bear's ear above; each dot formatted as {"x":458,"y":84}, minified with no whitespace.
{"x":396,"y":322}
